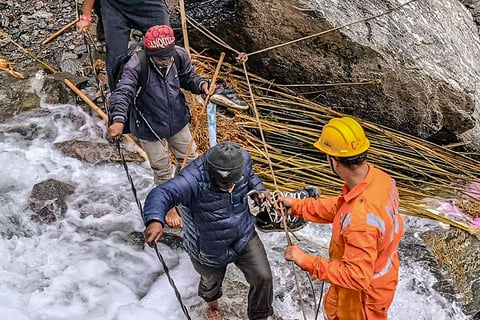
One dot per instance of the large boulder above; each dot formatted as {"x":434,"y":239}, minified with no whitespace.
{"x":20,"y":95}
{"x":420,"y":61}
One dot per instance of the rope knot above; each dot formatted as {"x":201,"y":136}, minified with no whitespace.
{"x":242,"y":57}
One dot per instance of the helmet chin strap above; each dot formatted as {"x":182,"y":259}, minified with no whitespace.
{"x":330,"y":163}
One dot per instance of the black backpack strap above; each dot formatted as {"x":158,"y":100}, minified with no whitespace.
{"x":144,"y":72}
{"x":178,"y":61}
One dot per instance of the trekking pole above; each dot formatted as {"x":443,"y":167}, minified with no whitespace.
{"x":204,"y":107}
{"x":319,"y":301}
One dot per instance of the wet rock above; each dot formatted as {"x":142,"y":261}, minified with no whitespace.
{"x":19,"y":95}
{"x":476,"y":316}
{"x":16,"y":97}
{"x":54,"y":91}
{"x":172,"y":238}
{"x":137,"y":239}
{"x":133,"y":238}
{"x":93,"y":152}
{"x":70,"y":63}
{"x":413,"y":248}
{"x":47,"y":200}
{"x":459,"y":254}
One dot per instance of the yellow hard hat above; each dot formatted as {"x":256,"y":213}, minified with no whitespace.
{"x":342,"y":137}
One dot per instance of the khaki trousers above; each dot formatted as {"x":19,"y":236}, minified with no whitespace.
{"x":158,"y":153}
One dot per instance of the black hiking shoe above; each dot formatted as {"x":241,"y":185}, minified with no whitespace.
{"x":222,"y":111}
{"x":266,"y":223}
{"x":269,"y":221}
{"x":227,"y":98}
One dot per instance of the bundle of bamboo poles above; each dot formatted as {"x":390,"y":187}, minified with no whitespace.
{"x":291,"y":124}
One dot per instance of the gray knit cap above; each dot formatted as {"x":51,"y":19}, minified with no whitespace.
{"x":225,"y":162}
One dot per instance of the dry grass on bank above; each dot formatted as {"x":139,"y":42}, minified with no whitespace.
{"x":291,"y":124}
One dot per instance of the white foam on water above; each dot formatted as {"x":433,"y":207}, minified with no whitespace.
{"x":83,"y":267}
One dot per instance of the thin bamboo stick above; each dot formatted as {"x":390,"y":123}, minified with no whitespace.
{"x":184,"y":27}
{"x":59,"y":32}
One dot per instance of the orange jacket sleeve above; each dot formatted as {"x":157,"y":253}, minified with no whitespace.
{"x":355,"y":270}
{"x":315,"y":210}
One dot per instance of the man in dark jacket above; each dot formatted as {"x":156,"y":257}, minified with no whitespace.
{"x":119,"y":17}
{"x":218,"y":227}
{"x":160,"y":118}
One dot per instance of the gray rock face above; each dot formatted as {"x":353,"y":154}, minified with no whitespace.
{"x":423,"y":56}
{"x":429,"y":52}
{"x":19,"y":95}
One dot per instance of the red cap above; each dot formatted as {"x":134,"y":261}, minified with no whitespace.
{"x":159,"y":41}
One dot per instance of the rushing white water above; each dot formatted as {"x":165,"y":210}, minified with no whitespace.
{"x":83,"y":267}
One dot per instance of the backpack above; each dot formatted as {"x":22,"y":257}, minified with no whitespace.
{"x":144,"y":67}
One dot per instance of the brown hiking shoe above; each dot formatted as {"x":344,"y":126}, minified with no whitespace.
{"x":214,"y":314}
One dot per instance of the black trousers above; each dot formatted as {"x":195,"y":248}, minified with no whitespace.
{"x":254,"y":264}
{"x":119,"y":19}
{"x":99,"y":29}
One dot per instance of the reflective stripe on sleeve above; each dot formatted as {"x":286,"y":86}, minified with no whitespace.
{"x":376,"y":221}
{"x":346,"y":221}
{"x":372,"y":220}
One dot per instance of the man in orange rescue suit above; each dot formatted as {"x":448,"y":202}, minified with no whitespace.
{"x":367,"y":228}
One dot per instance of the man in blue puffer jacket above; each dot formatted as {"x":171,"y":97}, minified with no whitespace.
{"x":218,"y":226}
{"x":160,"y":115}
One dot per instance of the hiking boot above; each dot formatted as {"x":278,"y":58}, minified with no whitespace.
{"x":305,"y":192}
{"x":221,"y":110}
{"x":294,"y":224}
{"x":263,"y":222}
{"x":268,"y":222}
{"x":227,"y":98}
{"x":214,"y":314}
